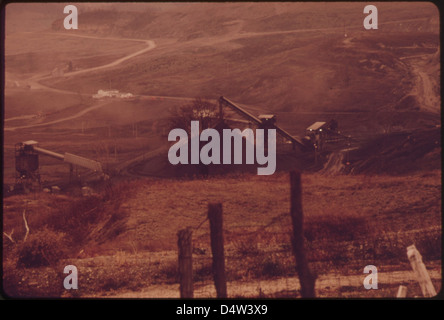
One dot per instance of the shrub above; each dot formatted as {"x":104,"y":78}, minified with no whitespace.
{"x":246,"y":247}
{"x":76,"y":217}
{"x":430,"y":246}
{"x":169,"y":272}
{"x":270,"y":267}
{"x":203,"y":272}
{"x":335,"y":228}
{"x":114,"y":283}
{"x":42,"y":248}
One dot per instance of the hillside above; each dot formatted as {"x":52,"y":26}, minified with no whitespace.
{"x":127,"y":245}
{"x":268,"y":57}
{"x":278,"y":59}
{"x":107,"y":92}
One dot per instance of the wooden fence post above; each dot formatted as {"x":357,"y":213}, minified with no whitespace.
{"x":306,"y":278}
{"x":402,"y":292}
{"x":217,"y":248}
{"x":184,"y":243}
{"x":427,"y":288}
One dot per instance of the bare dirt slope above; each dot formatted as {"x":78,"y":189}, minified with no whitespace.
{"x":279,"y":61}
{"x":273,"y":57}
{"x":304,"y":62}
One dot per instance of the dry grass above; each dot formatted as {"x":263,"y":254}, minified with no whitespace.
{"x":61,"y":228}
{"x":350,"y":221}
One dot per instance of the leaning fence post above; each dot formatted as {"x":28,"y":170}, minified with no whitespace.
{"x":217,"y":248}
{"x":184,"y":243}
{"x":306,"y":278}
{"x":402,"y":292}
{"x":427,"y":288}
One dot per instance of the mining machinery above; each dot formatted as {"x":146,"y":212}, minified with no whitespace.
{"x":27,"y":164}
{"x":264,"y":121}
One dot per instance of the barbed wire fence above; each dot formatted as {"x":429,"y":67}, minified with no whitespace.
{"x":248,"y":257}
{"x":265,"y":261}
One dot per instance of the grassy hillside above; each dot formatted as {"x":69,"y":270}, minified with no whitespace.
{"x":244,"y":51}
{"x":131,"y":228}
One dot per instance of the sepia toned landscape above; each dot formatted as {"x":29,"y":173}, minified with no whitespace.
{"x":86,"y":117}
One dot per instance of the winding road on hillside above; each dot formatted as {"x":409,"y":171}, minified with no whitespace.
{"x":425,"y":92}
{"x":150,"y":45}
{"x":77,"y":115}
{"x":35,"y":81}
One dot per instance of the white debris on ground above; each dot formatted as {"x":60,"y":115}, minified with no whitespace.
{"x":55,"y":189}
{"x":111,"y":94}
{"x":87,"y":191}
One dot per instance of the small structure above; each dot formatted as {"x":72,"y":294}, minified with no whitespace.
{"x":27,"y":164}
{"x":264,"y":121}
{"x":322,"y":126}
{"x":27,"y":176}
{"x":317,"y":126}
{"x":111,"y":94}
{"x":268,"y":119}
{"x":318,"y":132}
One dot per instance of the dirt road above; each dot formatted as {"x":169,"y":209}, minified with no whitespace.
{"x":77,"y":115}
{"x":429,"y":100}
{"x":424,"y":85}
{"x":326,"y":285}
{"x":35,"y":81}
{"x":150,"y":45}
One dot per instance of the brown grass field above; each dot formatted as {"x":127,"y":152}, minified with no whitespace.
{"x":371,"y":221}
{"x":303,"y":62}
